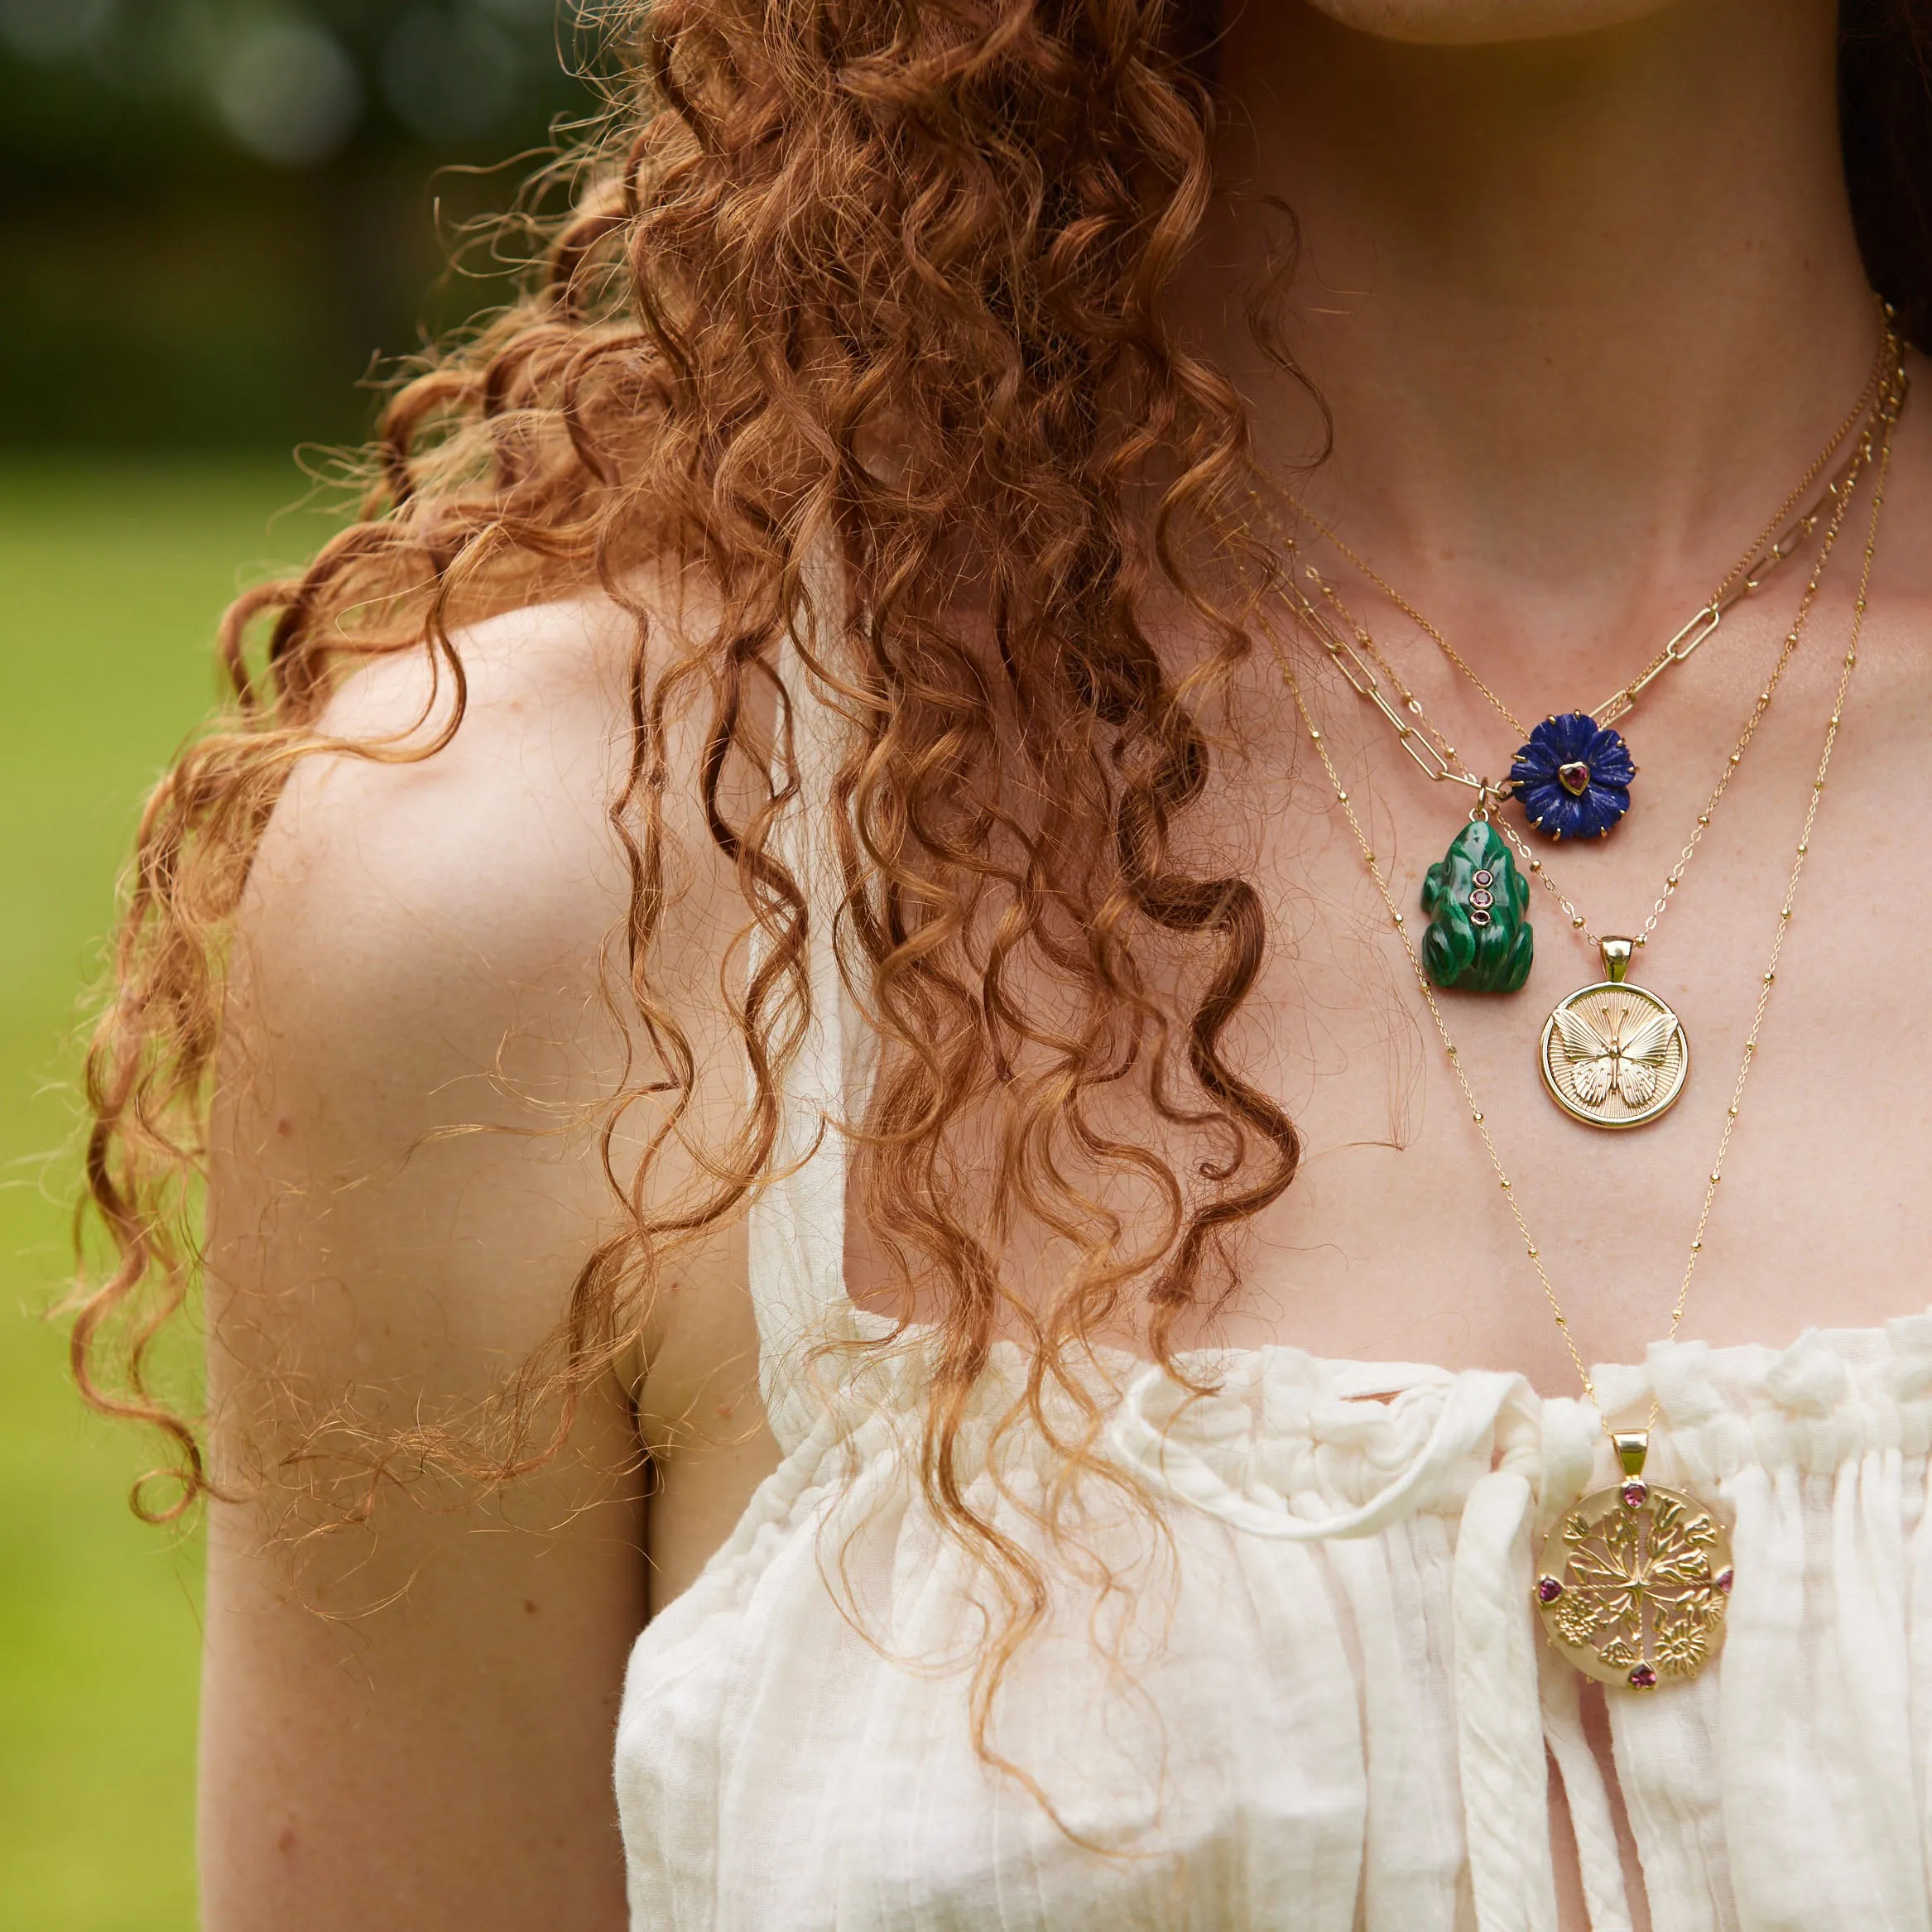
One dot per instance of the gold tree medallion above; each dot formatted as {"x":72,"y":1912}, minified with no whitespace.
{"x":1634,"y":1581}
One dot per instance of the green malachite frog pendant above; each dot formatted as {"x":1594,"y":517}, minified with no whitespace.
{"x":1479,"y":937}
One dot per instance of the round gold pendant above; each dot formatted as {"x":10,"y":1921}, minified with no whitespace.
{"x":1614,"y":1055}
{"x":1634,"y":1581}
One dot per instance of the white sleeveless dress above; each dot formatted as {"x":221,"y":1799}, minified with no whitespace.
{"x":1325,"y":1709}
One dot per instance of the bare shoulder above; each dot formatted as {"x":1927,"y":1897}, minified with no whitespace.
{"x":438,"y":925}
{"x":429,"y":1021}
{"x":485,"y":858}
{"x":405,"y":1182}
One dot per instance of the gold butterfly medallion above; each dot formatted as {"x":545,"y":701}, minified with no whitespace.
{"x":1614,"y":1055}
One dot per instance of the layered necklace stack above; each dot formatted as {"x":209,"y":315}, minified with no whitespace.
{"x":1633,"y":1580}
{"x":1613,"y":1053}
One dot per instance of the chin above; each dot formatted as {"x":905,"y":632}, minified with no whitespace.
{"x":1463,"y":23}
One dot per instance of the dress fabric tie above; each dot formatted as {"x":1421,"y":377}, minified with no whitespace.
{"x":1465,"y":1425}
{"x":1506,"y":1719}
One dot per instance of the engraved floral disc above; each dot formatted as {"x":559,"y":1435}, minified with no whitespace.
{"x":1614,"y":1055}
{"x":1633,"y":1584}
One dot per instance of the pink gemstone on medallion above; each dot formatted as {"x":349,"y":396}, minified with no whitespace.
{"x":1547,"y":1589}
{"x":1643,"y":1678}
{"x":1724,"y":1579}
{"x":1634,"y":1493}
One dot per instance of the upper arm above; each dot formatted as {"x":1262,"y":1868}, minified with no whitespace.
{"x":404,"y":1183}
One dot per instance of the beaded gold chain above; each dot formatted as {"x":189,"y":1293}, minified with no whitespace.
{"x":1634,"y":1580}
{"x":1838,"y":496}
{"x":1320,"y":742}
{"x":1779,"y":539}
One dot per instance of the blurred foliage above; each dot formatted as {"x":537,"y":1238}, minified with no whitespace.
{"x":218,"y":214}
{"x":111,"y":575}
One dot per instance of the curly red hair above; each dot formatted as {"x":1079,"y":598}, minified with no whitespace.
{"x":865,"y":294}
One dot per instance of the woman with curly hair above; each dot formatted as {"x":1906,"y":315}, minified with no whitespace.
{"x":854,"y":1000}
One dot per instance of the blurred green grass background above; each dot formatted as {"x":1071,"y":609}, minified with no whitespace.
{"x":218,"y":220}
{"x":111,"y":575}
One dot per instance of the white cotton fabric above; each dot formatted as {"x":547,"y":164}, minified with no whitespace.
{"x":1322,"y":1704}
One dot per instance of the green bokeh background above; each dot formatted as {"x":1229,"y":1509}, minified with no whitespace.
{"x":112,"y":574}
{"x":183,"y":302}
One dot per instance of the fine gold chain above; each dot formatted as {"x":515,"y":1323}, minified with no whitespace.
{"x":1841,"y":507}
{"x":1768,"y":981}
{"x":1839,"y":493}
{"x":1744,"y":576}
{"x":1425,"y":742}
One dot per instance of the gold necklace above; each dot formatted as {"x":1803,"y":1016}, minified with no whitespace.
{"x":1765,"y":553}
{"x":1614,"y":1055}
{"x":1572,"y":774}
{"x":1361,"y":679}
{"x":1634,"y":1580}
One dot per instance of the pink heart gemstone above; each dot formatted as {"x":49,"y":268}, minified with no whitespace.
{"x":1547,"y":1589}
{"x":1574,"y":777}
{"x":1643,"y":1678}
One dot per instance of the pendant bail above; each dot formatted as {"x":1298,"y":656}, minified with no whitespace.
{"x":1615,"y":958}
{"x":1632,"y":1445}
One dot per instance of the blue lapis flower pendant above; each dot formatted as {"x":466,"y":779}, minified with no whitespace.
{"x":1572,"y":776}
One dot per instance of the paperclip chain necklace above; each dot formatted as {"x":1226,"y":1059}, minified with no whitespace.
{"x":1613,"y":1053}
{"x":1634,"y":1580}
{"x":1839,"y":497}
{"x":1573,"y":772}
{"x":1767,"y":551}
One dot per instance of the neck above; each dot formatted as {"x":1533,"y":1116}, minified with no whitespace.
{"x":1581,"y":309}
